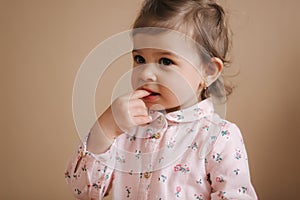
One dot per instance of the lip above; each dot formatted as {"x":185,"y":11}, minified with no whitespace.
{"x":153,"y":97}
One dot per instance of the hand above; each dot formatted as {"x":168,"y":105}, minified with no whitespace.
{"x":125,"y":112}
{"x":130,"y":110}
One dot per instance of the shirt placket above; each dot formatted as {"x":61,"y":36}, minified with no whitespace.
{"x":152,"y":144}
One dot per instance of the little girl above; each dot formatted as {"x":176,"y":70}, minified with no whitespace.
{"x":164,"y":140}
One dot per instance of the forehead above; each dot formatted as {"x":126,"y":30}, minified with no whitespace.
{"x":168,"y":41}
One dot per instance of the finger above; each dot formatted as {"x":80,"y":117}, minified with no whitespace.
{"x":138,"y":112}
{"x":137,"y":103}
{"x":140,"y":120}
{"x":138,"y":94}
{"x":138,"y":108}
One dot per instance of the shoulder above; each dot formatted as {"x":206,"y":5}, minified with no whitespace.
{"x":223,"y":128}
{"x":229,"y":142}
{"x":221,"y":134}
{"x":218,"y":127}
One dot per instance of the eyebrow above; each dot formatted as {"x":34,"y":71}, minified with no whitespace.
{"x":160,"y":52}
{"x":135,"y":51}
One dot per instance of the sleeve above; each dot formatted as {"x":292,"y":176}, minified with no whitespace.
{"x":87,"y":176}
{"x":227,"y":166}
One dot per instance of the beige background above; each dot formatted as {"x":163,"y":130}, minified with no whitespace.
{"x":43,"y":43}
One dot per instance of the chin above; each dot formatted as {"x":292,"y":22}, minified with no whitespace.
{"x":157,"y":106}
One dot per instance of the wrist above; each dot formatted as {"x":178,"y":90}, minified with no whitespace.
{"x":109,"y":125}
{"x":103,"y":133}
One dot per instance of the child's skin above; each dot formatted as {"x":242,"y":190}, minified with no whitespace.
{"x":178,"y":52}
{"x":161,"y":79}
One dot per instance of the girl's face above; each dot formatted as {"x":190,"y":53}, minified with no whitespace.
{"x":173,"y":79}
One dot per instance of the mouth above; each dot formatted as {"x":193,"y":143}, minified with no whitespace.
{"x":154,"y":94}
{"x":152,"y":97}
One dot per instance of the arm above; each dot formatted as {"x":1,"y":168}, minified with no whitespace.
{"x":227,"y":166}
{"x":125,"y":113}
{"x":87,"y":176}
{"x":87,"y":173}
{"x":103,"y":133}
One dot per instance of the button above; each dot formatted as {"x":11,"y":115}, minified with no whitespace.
{"x":82,"y":154}
{"x":147,"y":174}
{"x":157,"y":135}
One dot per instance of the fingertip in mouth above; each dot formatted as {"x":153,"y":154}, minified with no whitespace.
{"x":154,"y":94}
{"x":151,"y":92}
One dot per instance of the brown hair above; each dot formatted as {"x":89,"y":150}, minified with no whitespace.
{"x":202,"y":20}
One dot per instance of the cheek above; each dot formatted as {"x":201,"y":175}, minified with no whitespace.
{"x":180,"y":86}
{"x":134,"y":79}
{"x":187,"y":87}
{"x":194,"y":79}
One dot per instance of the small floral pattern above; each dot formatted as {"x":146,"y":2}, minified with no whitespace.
{"x":128,"y":191}
{"x":217,"y":157}
{"x":188,"y":176}
{"x":171,"y":143}
{"x":243,"y":190}
{"x":162,"y":178}
{"x":222,"y":195}
{"x":219,"y":179}
{"x":199,"y":181}
{"x":236,"y":171}
{"x":225,"y":133}
{"x":198,"y":196}
{"x":181,"y":168}
{"x":238,"y":154}
{"x":194,"y":146}
{"x":178,"y":191}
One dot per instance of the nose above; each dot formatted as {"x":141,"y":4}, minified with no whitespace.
{"x":148,"y":73}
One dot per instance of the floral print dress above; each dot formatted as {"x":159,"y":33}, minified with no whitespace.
{"x":187,"y":154}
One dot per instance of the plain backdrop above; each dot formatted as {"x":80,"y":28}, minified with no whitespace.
{"x":43,"y":43}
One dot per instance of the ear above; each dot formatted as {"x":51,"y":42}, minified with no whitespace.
{"x":213,"y":70}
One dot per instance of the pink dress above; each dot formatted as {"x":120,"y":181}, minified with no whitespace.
{"x":186,"y":154}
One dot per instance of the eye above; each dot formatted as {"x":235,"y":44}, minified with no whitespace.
{"x":139,"y":59}
{"x":165,"y":61}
